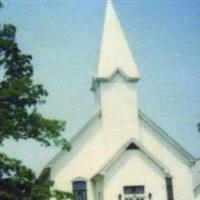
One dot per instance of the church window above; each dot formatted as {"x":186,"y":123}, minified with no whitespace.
{"x":80,"y":190}
{"x":169,"y":186}
{"x":132,"y":146}
{"x":136,"y":189}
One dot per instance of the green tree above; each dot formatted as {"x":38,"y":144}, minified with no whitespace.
{"x":20,"y":120}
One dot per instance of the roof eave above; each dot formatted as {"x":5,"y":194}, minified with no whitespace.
{"x":108,"y":164}
{"x":177,"y":146}
{"x":97,"y":79}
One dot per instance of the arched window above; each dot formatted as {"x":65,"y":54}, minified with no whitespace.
{"x":80,"y":190}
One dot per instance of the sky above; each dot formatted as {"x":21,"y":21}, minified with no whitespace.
{"x":64,"y":39}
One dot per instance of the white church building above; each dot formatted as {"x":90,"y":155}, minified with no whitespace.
{"x":120,"y":154}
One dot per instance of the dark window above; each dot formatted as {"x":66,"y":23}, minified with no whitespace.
{"x":80,"y":190}
{"x":169,"y":186}
{"x":132,"y":146}
{"x":137,"y":189}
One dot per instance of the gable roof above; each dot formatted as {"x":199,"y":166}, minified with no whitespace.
{"x":169,"y":139}
{"x":108,"y":164}
{"x":190,"y":159}
{"x":85,"y":127}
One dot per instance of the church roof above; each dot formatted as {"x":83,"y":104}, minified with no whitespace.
{"x":166,"y":136}
{"x":75,"y":137}
{"x":188,"y":157}
{"x":114,"y":53}
{"x":132,"y":144}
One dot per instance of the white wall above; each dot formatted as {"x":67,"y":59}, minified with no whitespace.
{"x":119,"y":112}
{"x":182,"y":175}
{"x":84,"y":160}
{"x":89,"y":154}
{"x":134,"y":168}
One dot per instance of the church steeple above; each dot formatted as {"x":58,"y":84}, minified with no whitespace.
{"x":115,"y":55}
{"x":115,"y":85}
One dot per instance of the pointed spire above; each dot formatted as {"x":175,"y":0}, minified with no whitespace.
{"x":115,"y":54}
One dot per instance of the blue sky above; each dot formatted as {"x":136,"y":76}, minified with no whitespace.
{"x":64,"y":39}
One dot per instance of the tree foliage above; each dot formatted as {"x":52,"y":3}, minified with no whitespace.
{"x":20,"y":119}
